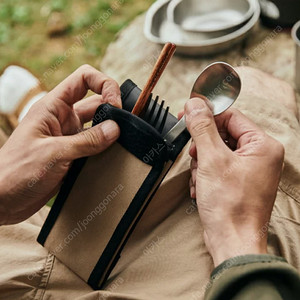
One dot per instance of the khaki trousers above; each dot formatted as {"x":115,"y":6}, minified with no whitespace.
{"x":165,"y":258}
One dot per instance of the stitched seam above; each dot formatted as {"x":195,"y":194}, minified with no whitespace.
{"x":45,"y":277}
{"x":256,"y":259}
{"x":258,"y":262}
{"x":219,"y":272}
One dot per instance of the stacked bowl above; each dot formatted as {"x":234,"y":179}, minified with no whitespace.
{"x":201,"y":27}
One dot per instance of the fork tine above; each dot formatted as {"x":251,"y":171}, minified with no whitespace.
{"x":151,"y":113}
{"x":157,"y":117}
{"x":163,"y":122}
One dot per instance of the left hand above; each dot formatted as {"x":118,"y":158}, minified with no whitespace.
{"x":234,"y":183}
{"x":38,"y":154}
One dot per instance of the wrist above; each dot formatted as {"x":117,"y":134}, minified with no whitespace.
{"x":230,"y":245}
{"x":234,"y":250}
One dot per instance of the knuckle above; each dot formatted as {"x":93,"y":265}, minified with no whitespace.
{"x":111,"y":83}
{"x":93,"y":139}
{"x":109,"y":95}
{"x":40,"y":108}
{"x":199,"y":127}
{"x":85,"y":68}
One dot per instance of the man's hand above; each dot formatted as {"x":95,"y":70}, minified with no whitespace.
{"x":236,"y":170}
{"x":38,"y":154}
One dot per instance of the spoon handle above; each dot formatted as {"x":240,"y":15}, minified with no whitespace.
{"x":175,"y":131}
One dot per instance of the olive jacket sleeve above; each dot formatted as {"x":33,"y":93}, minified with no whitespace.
{"x":254,"y":277}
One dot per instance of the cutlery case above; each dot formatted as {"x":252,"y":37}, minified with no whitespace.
{"x":104,"y":196}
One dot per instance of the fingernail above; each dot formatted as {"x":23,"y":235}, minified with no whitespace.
{"x":195,"y":111}
{"x":194,"y":107}
{"x":193,"y":192}
{"x":110,"y":130}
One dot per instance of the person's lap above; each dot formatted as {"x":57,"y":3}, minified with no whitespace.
{"x":165,"y":256}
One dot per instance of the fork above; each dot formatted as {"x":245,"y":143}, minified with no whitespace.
{"x":154,"y":113}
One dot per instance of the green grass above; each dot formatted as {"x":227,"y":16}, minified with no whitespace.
{"x":24,"y":39}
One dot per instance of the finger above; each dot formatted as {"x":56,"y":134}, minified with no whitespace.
{"x":86,"y":108}
{"x":75,"y":87}
{"x":193,"y":150}
{"x":201,"y":125}
{"x":193,"y":164}
{"x":180,"y":114}
{"x":89,"y":142}
{"x":205,"y":99}
{"x":192,"y":191}
{"x":191,"y":182}
{"x":193,"y":167}
{"x":194,"y":176}
{"x":239,"y":127}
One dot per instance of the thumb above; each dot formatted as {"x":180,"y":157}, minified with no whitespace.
{"x":202,"y":127}
{"x":91,"y":141}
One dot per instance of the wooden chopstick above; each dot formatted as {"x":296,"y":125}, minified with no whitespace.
{"x":160,"y":65}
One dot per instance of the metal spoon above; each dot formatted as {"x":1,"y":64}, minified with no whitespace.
{"x":218,"y":82}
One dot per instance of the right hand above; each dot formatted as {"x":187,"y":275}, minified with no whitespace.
{"x":235,"y":185}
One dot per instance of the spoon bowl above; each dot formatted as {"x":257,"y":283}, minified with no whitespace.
{"x":220,"y":84}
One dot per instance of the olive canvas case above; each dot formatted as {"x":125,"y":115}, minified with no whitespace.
{"x":103,"y":196}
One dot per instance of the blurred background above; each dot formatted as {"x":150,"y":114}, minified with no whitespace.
{"x":52,"y":38}
{"x":36,"y":34}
